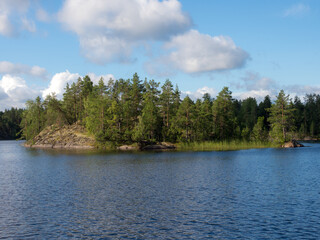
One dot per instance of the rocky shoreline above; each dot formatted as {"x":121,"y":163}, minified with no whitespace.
{"x":292,"y":144}
{"x":76,"y":137}
{"x":143,"y":147}
{"x":66,"y":137}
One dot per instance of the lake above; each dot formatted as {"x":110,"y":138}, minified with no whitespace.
{"x":247,"y":194}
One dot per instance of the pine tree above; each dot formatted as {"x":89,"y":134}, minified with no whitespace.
{"x":259,"y":132}
{"x":223,"y":115}
{"x":53,"y":111}
{"x":166,"y":108}
{"x":249,"y":113}
{"x":148,"y":122}
{"x":262,"y":111}
{"x":281,"y":116}
{"x":33,"y":119}
{"x":185,"y":119}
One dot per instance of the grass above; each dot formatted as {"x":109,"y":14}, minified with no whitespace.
{"x":223,"y":145}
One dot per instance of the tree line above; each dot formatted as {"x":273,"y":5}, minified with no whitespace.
{"x":10,"y":124}
{"x":132,"y":110}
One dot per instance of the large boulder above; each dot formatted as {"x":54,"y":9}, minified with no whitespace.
{"x":292,"y":144}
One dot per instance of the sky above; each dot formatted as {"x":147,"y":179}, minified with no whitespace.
{"x":256,"y":48}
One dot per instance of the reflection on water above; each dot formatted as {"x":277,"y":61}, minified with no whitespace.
{"x":266,"y":193}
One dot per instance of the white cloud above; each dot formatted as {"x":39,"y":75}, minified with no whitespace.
{"x":194,"y":52}
{"x":253,"y":81}
{"x":302,"y":90}
{"x":3,"y":95}
{"x":259,"y":95}
{"x":28,"y":25}
{"x":101,"y":49}
{"x":108,"y":30}
{"x":13,"y":17}
{"x":296,"y":10}
{"x":198,"y":94}
{"x":253,"y":85}
{"x":60,"y":80}
{"x":15,"y":92}
{"x":38,"y":71}
{"x":58,"y":83}
{"x":43,"y":15}
{"x":6,"y":27}
{"x":95,"y":78}
{"x":17,"y":69}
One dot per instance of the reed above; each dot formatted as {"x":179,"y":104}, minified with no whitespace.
{"x":223,"y":145}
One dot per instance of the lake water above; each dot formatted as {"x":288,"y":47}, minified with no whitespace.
{"x":248,"y":194}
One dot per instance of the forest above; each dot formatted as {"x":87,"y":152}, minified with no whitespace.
{"x":132,"y":110}
{"x":10,"y":124}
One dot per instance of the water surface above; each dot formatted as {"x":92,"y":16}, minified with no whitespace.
{"x":247,"y":194}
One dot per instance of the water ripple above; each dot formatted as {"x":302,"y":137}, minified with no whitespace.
{"x":252,"y":194}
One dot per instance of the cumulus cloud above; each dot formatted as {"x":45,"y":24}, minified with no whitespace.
{"x":108,"y":30}
{"x":13,"y":16}
{"x":296,"y":10}
{"x":60,"y":80}
{"x":14,"y":92}
{"x":17,"y":69}
{"x":193,"y":52}
{"x":58,"y":83}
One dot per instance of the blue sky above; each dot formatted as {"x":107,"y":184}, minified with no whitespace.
{"x":253,"y":47}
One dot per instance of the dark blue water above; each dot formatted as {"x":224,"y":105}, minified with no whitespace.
{"x":249,"y":194}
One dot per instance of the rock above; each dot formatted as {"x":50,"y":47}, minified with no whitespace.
{"x":160,"y":146}
{"x":66,"y":137}
{"x":127,"y":148}
{"x":292,"y":144}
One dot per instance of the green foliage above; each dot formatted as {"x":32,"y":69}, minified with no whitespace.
{"x":54,"y":113}
{"x":10,"y":123}
{"x":263,"y":111}
{"x":185,"y":119}
{"x":33,"y":119}
{"x":223,"y":115}
{"x":127,"y":111}
{"x":281,"y":116}
{"x":259,"y":132}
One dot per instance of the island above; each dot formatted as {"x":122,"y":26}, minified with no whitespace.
{"x":136,"y":115}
